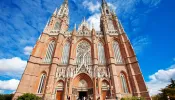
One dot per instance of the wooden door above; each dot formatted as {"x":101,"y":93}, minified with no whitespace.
{"x":104,"y":94}
{"x":59,"y":95}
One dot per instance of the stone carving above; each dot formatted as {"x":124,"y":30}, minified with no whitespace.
{"x":83,"y":84}
{"x":101,"y":72}
{"x":61,"y":73}
{"x":83,"y":58}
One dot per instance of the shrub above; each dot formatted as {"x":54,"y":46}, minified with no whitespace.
{"x":28,"y":96}
{"x":133,"y":98}
{"x":6,"y":96}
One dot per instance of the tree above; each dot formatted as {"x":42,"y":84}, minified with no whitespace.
{"x":168,"y":91}
{"x":28,"y":96}
{"x":6,"y":96}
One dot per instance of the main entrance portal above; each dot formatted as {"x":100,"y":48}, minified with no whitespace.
{"x":82,"y":95}
{"x":82,"y":86}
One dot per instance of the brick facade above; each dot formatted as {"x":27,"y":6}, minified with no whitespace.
{"x":87,"y":77}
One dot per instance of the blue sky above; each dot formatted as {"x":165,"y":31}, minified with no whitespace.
{"x":149,"y":25}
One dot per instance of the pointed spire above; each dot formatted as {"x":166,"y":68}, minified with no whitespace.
{"x":66,"y":1}
{"x":84,"y":19}
{"x":55,"y":12}
{"x":75,"y":26}
{"x":92,"y":25}
{"x":93,"y":30}
{"x":74,"y":31}
{"x":103,"y":1}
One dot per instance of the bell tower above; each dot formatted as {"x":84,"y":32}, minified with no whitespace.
{"x":125,"y":73}
{"x":109,"y":22}
{"x":59,"y":20}
{"x":39,"y":76}
{"x":83,"y":63}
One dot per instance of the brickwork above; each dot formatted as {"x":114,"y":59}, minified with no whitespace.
{"x":88,"y":75}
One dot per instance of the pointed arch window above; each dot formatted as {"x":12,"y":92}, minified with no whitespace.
{"x":49,"y":52}
{"x":41,"y":84}
{"x":83,"y":53}
{"x":101,"y":54}
{"x":57,"y":26}
{"x":117,"y":54}
{"x":124,"y":84}
{"x":65,"y":53}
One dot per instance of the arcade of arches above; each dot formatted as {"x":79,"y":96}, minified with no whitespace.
{"x":82,"y":86}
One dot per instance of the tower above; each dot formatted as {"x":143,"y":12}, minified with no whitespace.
{"x":83,"y":62}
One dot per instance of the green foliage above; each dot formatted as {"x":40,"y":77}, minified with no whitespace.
{"x":167,"y":91}
{"x":28,"y":96}
{"x":6,"y":96}
{"x":133,"y":98}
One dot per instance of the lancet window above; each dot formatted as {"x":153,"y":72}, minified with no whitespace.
{"x":101,"y":54}
{"x":83,"y":53}
{"x":49,"y":52}
{"x":41,"y":84}
{"x":57,"y":26}
{"x":65,"y":53}
{"x":117,"y":53}
{"x":124,"y":84}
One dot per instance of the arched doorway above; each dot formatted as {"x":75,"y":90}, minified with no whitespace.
{"x":82,"y":86}
{"x":105,"y":90}
{"x":59,"y":90}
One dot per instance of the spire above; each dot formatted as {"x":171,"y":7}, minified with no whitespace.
{"x":65,"y":2}
{"x":103,"y":1}
{"x":74,"y":31}
{"x":64,"y":10}
{"x":75,"y":26}
{"x":84,"y":20}
{"x":92,"y":25}
{"x":55,"y":12}
{"x":105,"y":8}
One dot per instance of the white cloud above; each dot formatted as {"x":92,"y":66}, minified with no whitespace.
{"x":9,"y":84}
{"x":1,"y":91}
{"x":112,"y":6}
{"x":151,"y":2}
{"x":139,"y":43}
{"x":10,"y":66}
{"x":160,"y":79}
{"x":92,"y":7}
{"x":95,"y":20}
{"x":28,"y":50}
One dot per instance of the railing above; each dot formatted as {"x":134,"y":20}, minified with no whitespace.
{"x":84,"y":33}
{"x":113,"y":32}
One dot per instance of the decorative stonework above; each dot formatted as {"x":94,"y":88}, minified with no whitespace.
{"x":101,"y":72}
{"x":61,"y":73}
{"x":75,"y":67}
{"x":83,"y":84}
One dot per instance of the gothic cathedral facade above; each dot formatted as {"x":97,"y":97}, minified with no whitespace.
{"x":83,"y":63}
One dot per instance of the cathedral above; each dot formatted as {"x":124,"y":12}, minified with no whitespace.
{"x":83,"y":64}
